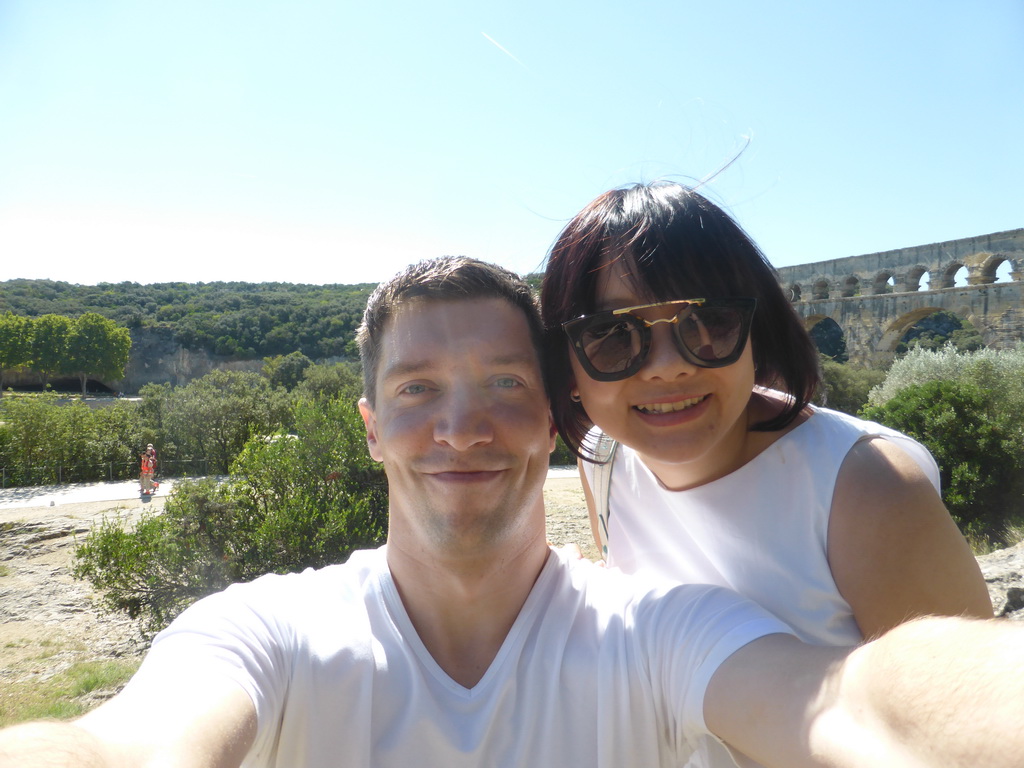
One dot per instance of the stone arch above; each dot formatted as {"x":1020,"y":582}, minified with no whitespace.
{"x":820,"y":289}
{"x":850,"y":286}
{"x":880,"y":282}
{"x":987,"y":269}
{"x":947,"y":274}
{"x":894,"y":332}
{"x":1017,"y":269}
{"x":829,"y":336}
{"x":912,"y":280}
{"x":795,"y":291}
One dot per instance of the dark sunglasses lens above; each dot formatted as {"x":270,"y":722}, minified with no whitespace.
{"x":712,"y":333}
{"x":611,"y":345}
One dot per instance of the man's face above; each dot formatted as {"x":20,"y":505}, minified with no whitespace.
{"x":461,"y":423}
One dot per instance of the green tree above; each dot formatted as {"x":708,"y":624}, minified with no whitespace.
{"x":97,"y":347}
{"x":967,"y":340}
{"x":845,"y":387}
{"x":212,"y":418}
{"x":15,"y":344}
{"x":326,"y":382}
{"x":31,"y":433}
{"x":50,"y":335}
{"x":43,"y":441}
{"x":286,"y":370}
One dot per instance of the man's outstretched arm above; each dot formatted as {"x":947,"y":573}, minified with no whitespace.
{"x":933,"y":692}
{"x":193,"y":722}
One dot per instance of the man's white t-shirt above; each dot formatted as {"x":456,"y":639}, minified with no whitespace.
{"x":596,"y":670}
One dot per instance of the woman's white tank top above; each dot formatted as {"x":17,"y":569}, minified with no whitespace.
{"x":761,"y":530}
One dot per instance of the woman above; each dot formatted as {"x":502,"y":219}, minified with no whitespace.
{"x":669,"y":334}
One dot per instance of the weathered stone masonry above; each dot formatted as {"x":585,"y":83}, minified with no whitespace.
{"x":876,"y":298}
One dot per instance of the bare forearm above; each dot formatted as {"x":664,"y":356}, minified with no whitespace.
{"x":49,"y":745}
{"x":949,"y":691}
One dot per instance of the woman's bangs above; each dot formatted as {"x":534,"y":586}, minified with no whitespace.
{"x":670,"y":274}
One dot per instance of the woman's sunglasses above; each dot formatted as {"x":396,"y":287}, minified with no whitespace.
{"x":709,"y":333}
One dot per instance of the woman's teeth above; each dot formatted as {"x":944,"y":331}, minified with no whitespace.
{"x":679,"y":405}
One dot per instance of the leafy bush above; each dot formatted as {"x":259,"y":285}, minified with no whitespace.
{"x":155,"y":570}
{"x":1001,"y":372}
{"x":314,"y":496}
{"x":975,"y":446}
{"x":293,"y":501}
{"x":845,"y":387}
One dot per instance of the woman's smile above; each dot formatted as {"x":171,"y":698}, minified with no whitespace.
{"x":671,"y":407}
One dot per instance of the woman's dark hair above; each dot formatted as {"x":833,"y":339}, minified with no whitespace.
{"x":679,"y":245}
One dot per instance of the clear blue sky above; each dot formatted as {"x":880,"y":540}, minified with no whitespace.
{"x":329,"y":141}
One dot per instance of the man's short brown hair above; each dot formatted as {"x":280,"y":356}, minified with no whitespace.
{"x":449,"y":278}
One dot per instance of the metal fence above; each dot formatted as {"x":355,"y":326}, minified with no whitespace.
{"x":49,"y":474}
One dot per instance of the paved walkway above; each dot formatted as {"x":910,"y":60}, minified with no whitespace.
{"x":75,"y":493}
{"x":78,"y":493}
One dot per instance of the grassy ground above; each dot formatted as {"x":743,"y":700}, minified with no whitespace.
{"x":65,"y":695}
{"x":1012,"y":535}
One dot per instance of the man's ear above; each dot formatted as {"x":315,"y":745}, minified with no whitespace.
{"x":370,"y":420}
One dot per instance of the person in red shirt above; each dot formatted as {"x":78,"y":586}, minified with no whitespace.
{"x":148,"y":466}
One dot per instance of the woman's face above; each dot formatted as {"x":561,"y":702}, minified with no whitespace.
{"x":689,"y":424}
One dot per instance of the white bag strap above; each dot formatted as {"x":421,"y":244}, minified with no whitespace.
{"x":605,"y":455}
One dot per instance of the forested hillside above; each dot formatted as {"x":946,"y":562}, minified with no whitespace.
{"x":237,"y":319}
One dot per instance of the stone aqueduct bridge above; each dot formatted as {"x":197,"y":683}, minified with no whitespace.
{"x":877,"y":297}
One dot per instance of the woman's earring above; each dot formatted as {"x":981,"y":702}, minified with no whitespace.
{"x":575,"y":396}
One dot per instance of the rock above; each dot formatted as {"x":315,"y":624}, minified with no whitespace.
{"x":1004,"y":575}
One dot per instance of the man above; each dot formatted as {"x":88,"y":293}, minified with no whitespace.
{"x":466,"y":641}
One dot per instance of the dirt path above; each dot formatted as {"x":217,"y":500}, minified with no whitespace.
{"x":49,"y":620}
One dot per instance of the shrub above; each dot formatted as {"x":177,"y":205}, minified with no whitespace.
{"x":158,"y":568}
{"x":977,"y":453}
{"x":313,"y":497}
{"x":999,"y":371}
{"x":293,"y":501}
